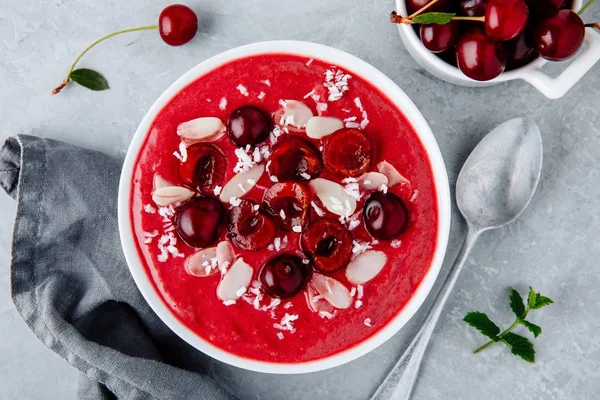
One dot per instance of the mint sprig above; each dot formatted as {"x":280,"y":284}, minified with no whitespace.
{"x":518,"y":345}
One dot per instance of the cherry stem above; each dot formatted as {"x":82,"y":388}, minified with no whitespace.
{"x":589,"y":3}
{"x":423,"y":9}
{"x":68,"y":78}
{"x":595,"y":25}
{"x":399,"y":19}
{"x":480,"y":19}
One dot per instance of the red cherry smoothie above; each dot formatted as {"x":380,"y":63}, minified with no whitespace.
{"x":239,"y":328}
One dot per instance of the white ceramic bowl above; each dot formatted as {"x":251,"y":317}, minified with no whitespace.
{"x":532,"y":73}
{"x":355,"y":66}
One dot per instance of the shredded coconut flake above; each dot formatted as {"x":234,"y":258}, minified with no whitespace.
{"x":277,"y":243}
{"x":352,"y":291}
{"x":240,"y":291}
{"x":336,"y":82}
{"x":325,"y":314}
{"x":360,"y":291}
{"x":353,"y":125}
{"x":358,"y":304}
{"x":305,"y":176}
{"x":321,"y":107}
{"x":266,"y":82}
{"x":286,"y":323}
{"x":149,"y":209}
{"x":282,"y":214}
{"x":310,"y":60}
{"x":368,"y":322}
{"x":414,"y":196}
{"x":242,"y":89}
{"x":297,"y":228}
{"x":359,"y":247}
{"x":217,"y":190}
{"x":309,"y":94}
{"x":280,"y":335}
{"x":383,"y":188}
{"x":350,"y":119}
{"x":261,"y":95}
{"x":396,"y":243}
{"x":223,"y":103}
{"x":234,"y":201}
{"x":358,"y":104}
{"x":287,"y":305}
{"x":317,"y":209}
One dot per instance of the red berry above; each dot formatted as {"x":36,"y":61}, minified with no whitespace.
{"x":198,"y":220}
{"x":288,"y":203}
{"x":415,"y":5}
{"x":438,"y":38}
{"x":177,"y":24}
{"x":249,"y":228}
{"x":519,"y":51}
{"x":294,"y":159}
{"x":249,"y":125}
{"x":328,"y":244}
{"x":543,"y":8}
{"x":472,"y":8}
{"x":204,"y":168}
{"x":348,"y":152}
{"x":505,"y":19}
{"x":284,"y":276}
{"x":558,"y":37}
{"x":385,"y":215}
{"x":479,"y":57}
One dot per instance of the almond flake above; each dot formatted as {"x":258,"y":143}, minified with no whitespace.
{"x":320,"y":127}
{"x":237,"y":277}
{"x":205,"y":129}
{"x":392,"y":173}
{"x":172,"y":194}
{"x":365,"y":266}
{"x":241,"y":183}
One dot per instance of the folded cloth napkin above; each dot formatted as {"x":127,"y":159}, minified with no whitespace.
{"x":71,"y":285}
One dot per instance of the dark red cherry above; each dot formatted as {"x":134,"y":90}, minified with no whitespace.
{"x":505,"y":19}
{"x":385,"y":215}
{"x":558,"y":37}
{"x":249,"y":228}
{"x":328,"y":244}
{"x":288,"y":203}
{"x":348,"y":153}
{"x":294,"y":159}
{"x":177,"y":24}
{"x":415,"y":5}
{"x":204,"y":168}
{"x":249,"y":125}
{"x":479,"y":57}
{"x":198,"y":220}
{"x":438,"y":38}
{"x":284,"y":276}
{"x":539,"y":9}
{"x":472,"y":8}
{"x":519,"y":51}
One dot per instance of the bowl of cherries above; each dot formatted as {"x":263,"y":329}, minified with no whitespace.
{"x":484,"y":42}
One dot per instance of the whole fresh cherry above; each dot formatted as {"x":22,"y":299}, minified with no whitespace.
{"x":520,"y":51}
{"x":385,"y":215}
{"x":505,"y":19}
{"x":198,"y":220}
{"x":249,"y":125}
{"x":558,"y":37}
{"x":177,"y":24}
{"x":472,"y":8}
{"x":438,"y":38}
{"x":480,"y":57}
{"x":284,"y":276}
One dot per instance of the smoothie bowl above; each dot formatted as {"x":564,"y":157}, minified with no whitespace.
{"x":284,"y":207}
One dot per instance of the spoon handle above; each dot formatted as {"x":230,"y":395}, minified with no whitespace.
{"x":399,"y":383}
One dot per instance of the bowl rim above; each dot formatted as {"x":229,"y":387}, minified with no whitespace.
{"x":396,"y":95}
{"x":413,"y":40}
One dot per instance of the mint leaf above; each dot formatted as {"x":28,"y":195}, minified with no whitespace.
{"x":533,"y":328}
{"x":516,"y":303}
{"x":536,"y":300}
{"x":483,"y":324}
{"x":439,"y":18}
{"x":520,"y":346}
{"x":89,"y":78}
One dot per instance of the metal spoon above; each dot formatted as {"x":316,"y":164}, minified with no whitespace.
{"x":494,"y":187}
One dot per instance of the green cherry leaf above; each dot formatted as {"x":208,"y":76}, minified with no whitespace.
{"x":520,"y":346}
{"x":439,"y":18}
{"x":483,"y":324}
{"x":89,"y":78}
{"x":516,"y":303}
{"x":533,"y":328}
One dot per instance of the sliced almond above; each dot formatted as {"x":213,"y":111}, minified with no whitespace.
{"x":365,"y":266}
{"x":373,"y":180}
{"x":205,"y":129}
{"x":160,"y":182}
{"x":241,"y":183}
{"x":225,"y":255}
{"x":167,"y":195}
{"x":315,"y":301}
{"x":295,"y":114}
{"x":394,"y":177}
{"x":332,"y":290}
{"x":236,"y":278}
{"x":202,"y":263}
{"x":319,"y":127}
{"x":334,"y":197}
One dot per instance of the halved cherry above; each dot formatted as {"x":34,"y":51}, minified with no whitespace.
{"x":204,"y":168}
{"x":294,"y":159}
{"x":284,"y":276}
{"x":385,"y":215}
{"x":348,"y":152}
{"x":249,"y":125}
{"x":198,"y":220}
{"x":328,"y":244}
{"x":249,"y":228}
{"x":288,"y":203}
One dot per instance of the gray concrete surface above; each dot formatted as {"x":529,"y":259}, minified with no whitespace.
{"x":553,"y":247}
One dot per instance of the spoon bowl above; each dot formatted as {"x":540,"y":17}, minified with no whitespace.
{"x":498,"y":180}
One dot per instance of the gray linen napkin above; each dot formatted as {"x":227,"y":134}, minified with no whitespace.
{"x":72,"y":287}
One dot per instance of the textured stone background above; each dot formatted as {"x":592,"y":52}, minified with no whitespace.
{"x":553,"y":247}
